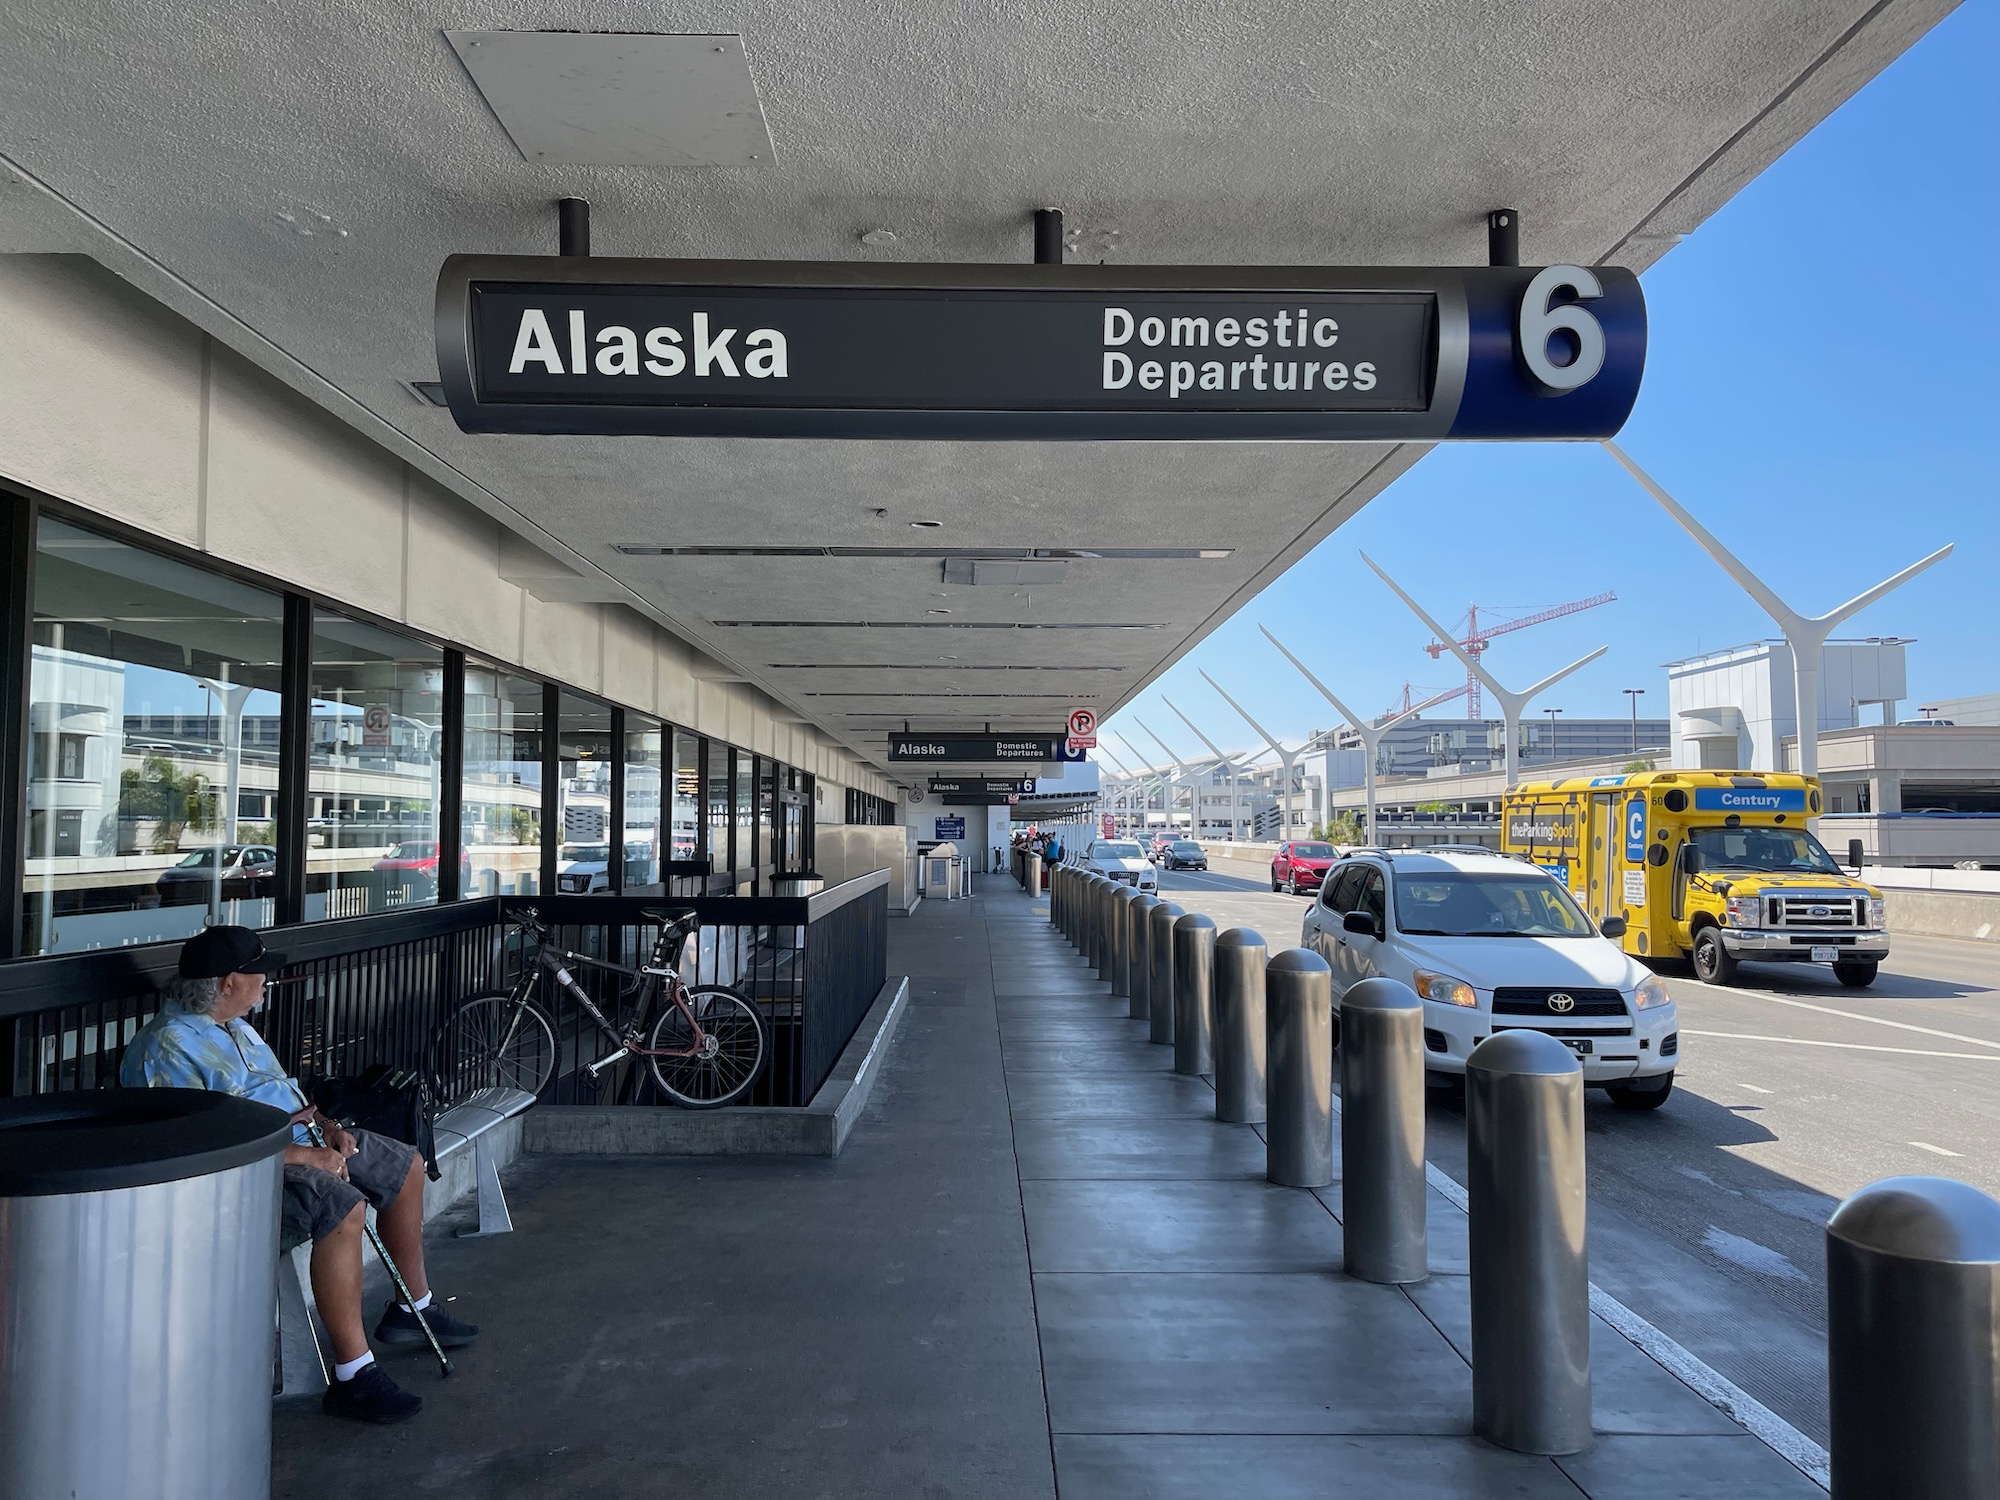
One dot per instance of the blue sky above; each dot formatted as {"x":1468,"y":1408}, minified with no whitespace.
{"x":1819,"y":391}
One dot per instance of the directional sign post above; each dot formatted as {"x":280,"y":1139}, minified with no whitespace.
{"x":983,"y":786}
{"x":1033,"y":353}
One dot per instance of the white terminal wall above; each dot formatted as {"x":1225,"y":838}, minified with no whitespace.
{"x":123,"y":409}
{"x":1733,"y":709}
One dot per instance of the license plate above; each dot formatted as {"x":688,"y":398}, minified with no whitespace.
{"x":1580,"y":1045}
{"x":1825,"y":955}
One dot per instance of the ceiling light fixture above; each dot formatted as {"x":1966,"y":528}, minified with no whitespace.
{"x":927,"y":525}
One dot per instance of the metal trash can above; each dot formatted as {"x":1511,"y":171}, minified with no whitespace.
{"x":138,"y":1294}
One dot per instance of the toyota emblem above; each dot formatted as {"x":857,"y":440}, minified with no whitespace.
{"x":1561,"y":1003}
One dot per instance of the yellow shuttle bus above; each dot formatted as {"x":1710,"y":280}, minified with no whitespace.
{"x":1713,"y":866}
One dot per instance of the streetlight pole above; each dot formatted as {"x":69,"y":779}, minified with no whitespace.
{"x":1552,"y":712}
{"x":1634,"y":694}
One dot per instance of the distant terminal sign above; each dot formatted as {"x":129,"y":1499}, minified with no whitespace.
{"x":983,"y":786}
{"x":977,"y":749}
{"x":833,"y":349}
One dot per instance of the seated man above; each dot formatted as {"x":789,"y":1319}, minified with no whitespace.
{"x":199,"y":1040}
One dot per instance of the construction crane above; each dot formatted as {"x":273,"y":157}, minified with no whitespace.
{"x":1411,"y":703}
{"x":1473,"y":642}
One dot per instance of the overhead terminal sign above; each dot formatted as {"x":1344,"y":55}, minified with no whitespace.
{"x":979,"y":749}
{"x":983,"y":786}
{"x":803,"y":349}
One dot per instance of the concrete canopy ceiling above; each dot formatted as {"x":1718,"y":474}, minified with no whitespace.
{"x":290,"y":176}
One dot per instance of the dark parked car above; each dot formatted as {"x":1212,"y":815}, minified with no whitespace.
{"x":1300,"y":866}
{"x":1186,"y":854}
{"x":248,"y":871}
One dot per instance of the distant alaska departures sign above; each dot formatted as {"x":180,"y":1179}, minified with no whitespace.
{"x":594,"y":345}
{"x":980,"y":749}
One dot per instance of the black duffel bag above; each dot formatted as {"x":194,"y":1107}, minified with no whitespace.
{"x":387,"y":1100}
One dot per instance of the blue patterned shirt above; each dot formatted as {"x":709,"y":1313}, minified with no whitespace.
{"x":180,"y":1049}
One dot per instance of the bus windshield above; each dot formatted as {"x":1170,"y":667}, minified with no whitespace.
{"x":1788,"y":850}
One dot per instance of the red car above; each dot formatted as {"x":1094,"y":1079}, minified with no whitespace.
{"x":1299,"y":867}
{"x":420,"y":857}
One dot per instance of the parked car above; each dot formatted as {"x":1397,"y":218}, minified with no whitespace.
{"x":1490,"y":944}
{"x":1185,"y":854}
{"x":419,"y":857}
{"x":1301,"y":865}
{"x":582,"y":868}
{"x":1121,"y":860}
{"x":248,"y":872}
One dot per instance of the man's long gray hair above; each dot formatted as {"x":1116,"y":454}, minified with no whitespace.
{"x":197,"y":995}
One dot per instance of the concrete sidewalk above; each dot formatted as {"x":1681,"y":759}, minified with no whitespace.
{"x":1040,"y":1264}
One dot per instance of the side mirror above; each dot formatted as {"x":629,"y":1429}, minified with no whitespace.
{"x":1612,"y":927}
{"x":1691,"y":857}
{"x":1360,"y":923}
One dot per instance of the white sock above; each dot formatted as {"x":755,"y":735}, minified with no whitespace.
{"x":353,"y":1367}
{"x":417,"y":1306}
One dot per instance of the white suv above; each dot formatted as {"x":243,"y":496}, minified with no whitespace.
{"x":1489,"y":944}
{"x":1122,"y":860}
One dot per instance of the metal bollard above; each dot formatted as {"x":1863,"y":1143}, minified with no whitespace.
{"x":1382,"y":1187}
{"x":1121,"y":939}
{"x":1160,"y":981}
{"x":1530,"y":1264}
{"x":1239,"y":1027}
{"x":1298,"y":1090}
{"x":1194,"y":994}
{"x":1093,"y":893}
{"x":1035,"y":885}
{"x":1100,"y":940}
{"x":1913,"y":1341}
{"x":1141,"y":913}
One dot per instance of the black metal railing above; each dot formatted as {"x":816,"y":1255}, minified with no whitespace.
{"x":377,"y":989}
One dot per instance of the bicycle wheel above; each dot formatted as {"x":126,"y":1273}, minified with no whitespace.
{"x":490,"y":1043}
{"x":734,"y":1056}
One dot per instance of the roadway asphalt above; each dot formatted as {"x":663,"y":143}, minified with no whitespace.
{"x":1706,"y":1216}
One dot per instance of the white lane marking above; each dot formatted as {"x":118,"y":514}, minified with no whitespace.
{"x":1799,"y":1041}
{"x":1750,"y":1255}
{"x":1849,"y":1015}
{"x":1939,"y":1150}
{"x":1754,"y":1089}
{"x":1717,"y":1389}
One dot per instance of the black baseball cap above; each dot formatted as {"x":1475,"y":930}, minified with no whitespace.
{"x":216,"y":951}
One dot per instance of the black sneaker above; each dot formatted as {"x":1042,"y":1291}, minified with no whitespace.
{"x":399,"y":1326}
{"x":371,"y":1396}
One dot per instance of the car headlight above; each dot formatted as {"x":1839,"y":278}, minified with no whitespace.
{"x":1444,"y":989}
{"x":1878,"y":912}
{"x":1652,"y":993}
{"x":1745,"y":911}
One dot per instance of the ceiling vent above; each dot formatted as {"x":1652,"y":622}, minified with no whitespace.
{"x":620,"y":99}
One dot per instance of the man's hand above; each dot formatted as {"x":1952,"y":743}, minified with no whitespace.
{"x":324,"y":1158}
{"x":338,"y":1136}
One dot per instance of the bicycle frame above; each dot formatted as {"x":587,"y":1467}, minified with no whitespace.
{"x":652,"y":976}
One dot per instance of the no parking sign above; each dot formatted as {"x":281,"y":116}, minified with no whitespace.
{"x":1082,"y":729}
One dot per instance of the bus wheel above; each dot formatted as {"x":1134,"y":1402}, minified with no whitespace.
{"x":1712,"y":962}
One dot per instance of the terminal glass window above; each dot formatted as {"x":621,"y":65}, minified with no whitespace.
{"x":589,"y":844}
{"x":372,"y":789}
{"x":721,"y":841}
{"x":746,"y":822}
{"x":501,"y":819}
{"x":767,"y":812}
{"x":153,"y":769}
{"x":687,"y":819}
{"x":645,"y":803}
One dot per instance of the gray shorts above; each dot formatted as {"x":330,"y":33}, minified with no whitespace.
{"x":316,"y":1201}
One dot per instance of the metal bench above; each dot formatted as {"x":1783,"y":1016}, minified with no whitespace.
{"x":302,"y":1360}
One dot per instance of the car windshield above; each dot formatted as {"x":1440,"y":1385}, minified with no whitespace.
{"x":1786,"y":849}
{"x":1116,"y":851}
{"x":1184,"y":847}
{"x":1312,"y":851}
{"x":201,"y":859}
{"x":589,"y":854}
{"x":1458,"y":904}
{"x":411,"y":850}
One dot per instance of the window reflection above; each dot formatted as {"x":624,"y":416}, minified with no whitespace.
{"x":746,"y":823}
{"x":645,"y":810}
{"x":153,"y":747}
{"x":583,"y":797}
{"x":502,"y":813}
{"x":687,"y":796}
{"x":372,"y":793}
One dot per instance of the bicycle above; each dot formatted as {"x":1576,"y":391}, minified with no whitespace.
{"x":706,"y":1049}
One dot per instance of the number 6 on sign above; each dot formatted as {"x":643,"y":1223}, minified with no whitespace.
{"x":1542,"y":318}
